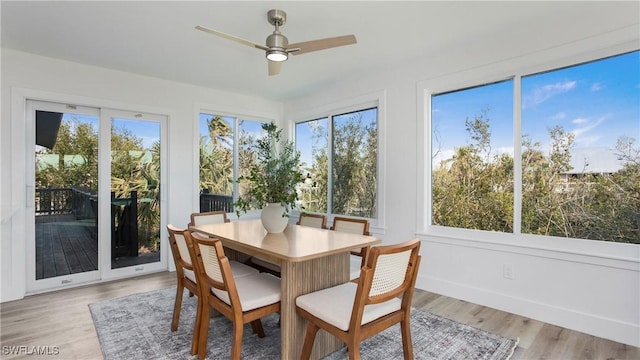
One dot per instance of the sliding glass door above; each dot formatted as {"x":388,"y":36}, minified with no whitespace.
{"x":94,"y":185}
{"x":63,"y":192}
{"x":135,"y":190}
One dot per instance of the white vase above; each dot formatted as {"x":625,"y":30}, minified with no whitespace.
{"x":272,"y":218}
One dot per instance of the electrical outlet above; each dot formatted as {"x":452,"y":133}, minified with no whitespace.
{"x":507,"y":271}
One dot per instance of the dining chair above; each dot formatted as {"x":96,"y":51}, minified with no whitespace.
{"x":179,"y":241}
{"x":241,"y":299}
{"x":313,"y":220}
{"x":184,"y":270}
{"x":220,"y":217}
{"x":354,"y":226}
{"x":381,"y":298}
{"x":211,"y":217}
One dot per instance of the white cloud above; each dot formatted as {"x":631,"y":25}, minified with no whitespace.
{"x":504,"y":150}
{"x":580,"y":121}
{"x":596,"y":87}
{"x":442,"y":155}
{"x":544,"y":93}
{"x":588,"y":140}
{"x":580,"y":132}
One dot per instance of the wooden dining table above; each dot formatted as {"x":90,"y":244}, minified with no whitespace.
{"x":310,"y":259}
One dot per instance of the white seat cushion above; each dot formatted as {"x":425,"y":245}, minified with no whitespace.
{"x":237,"y":268}
{"x":254,"y":291}
{"x":355,"y":262}
{"x":240,"y":270}
{"x":189,"y":275}
{"x":265,"y":264}
{"x":334,"y":305}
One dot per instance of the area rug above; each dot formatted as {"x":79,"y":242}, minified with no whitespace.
{"x":138,"y":327}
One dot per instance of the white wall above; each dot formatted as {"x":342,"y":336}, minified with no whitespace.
{"x":79,"y":84}
{"x":589,"y":286}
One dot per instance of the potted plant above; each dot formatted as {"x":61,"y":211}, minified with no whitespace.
{"x":271,"y":180}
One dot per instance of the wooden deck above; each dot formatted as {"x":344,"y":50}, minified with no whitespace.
{"x":64,"y":246}
{"x":67,"y":246}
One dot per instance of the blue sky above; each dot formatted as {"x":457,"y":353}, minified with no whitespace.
{"x":598,"y":102}
{"x":305,"y":142}
{"x":148,"y":131}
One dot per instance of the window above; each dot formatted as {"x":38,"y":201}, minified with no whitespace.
{"x":578,"y":153}
{"x":472,"y":158}
{"x":341,"y":178}
{"x":221,"y":139}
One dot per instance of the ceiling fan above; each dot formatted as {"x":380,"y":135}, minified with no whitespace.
{"x":277,"y":46}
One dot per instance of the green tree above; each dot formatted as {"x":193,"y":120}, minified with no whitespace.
{"x":216,"y":157}
{"x":354,"y":171}
{"x":474,"y":189}
{"x":76,"y":148}
{"x":315,"y":189}
{"x":136,"y":168}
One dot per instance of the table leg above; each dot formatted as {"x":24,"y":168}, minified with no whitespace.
{"x":299,"y":278}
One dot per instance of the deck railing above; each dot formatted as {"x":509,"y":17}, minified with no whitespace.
{"x":54,"y":201}
{"x":215,"y":202}
{"x":83,"y":204}
{"x":124,"y":226}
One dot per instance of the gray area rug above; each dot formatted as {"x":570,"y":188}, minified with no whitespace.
{"x":138,"y":327}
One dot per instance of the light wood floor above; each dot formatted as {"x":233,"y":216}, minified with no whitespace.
{"x":61,"y":320}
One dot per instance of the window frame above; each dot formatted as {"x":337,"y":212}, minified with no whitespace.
{"x":364,"y":102}
{"x":515,"y":68}
{"x":237,"y":115}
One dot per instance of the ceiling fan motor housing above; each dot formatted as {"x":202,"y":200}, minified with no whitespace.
{"x":277,"y":46}
{"x":277,"y":40}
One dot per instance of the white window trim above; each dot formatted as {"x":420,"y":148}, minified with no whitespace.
{"x":365,"y":101}
{"x":232,"y":112}
{"x":20,"y":199}
{"x":613,"y":254}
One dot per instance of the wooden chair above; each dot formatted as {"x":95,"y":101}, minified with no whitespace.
{"x":180,"y":244}
{"x":241,"y":299}
{"x":212,"y":217}
{"x":184,"y":270}
{"x":186,"y":276}
{"x":220,"y":217}
{"x":354,"y":226}
{"x":356,"y":311}
{"x":313,"y":220}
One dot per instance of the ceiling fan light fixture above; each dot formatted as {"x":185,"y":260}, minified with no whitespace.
{"x":277,"y":55}
{"x":277,"y":48}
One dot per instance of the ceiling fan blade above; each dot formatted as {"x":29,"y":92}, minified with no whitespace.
{"x":274,"y":67}
{"x":231,"y":37}
{"x":315,"y":45}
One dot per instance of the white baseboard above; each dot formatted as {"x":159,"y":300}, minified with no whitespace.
{"x":611,"y":329}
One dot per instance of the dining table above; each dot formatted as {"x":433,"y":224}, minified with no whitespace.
{"x":310,"y":259}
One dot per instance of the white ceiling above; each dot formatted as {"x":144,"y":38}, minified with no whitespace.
{"x":158,"y":39}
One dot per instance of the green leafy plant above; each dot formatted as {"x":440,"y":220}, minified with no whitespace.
{"x":273,"y":176}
